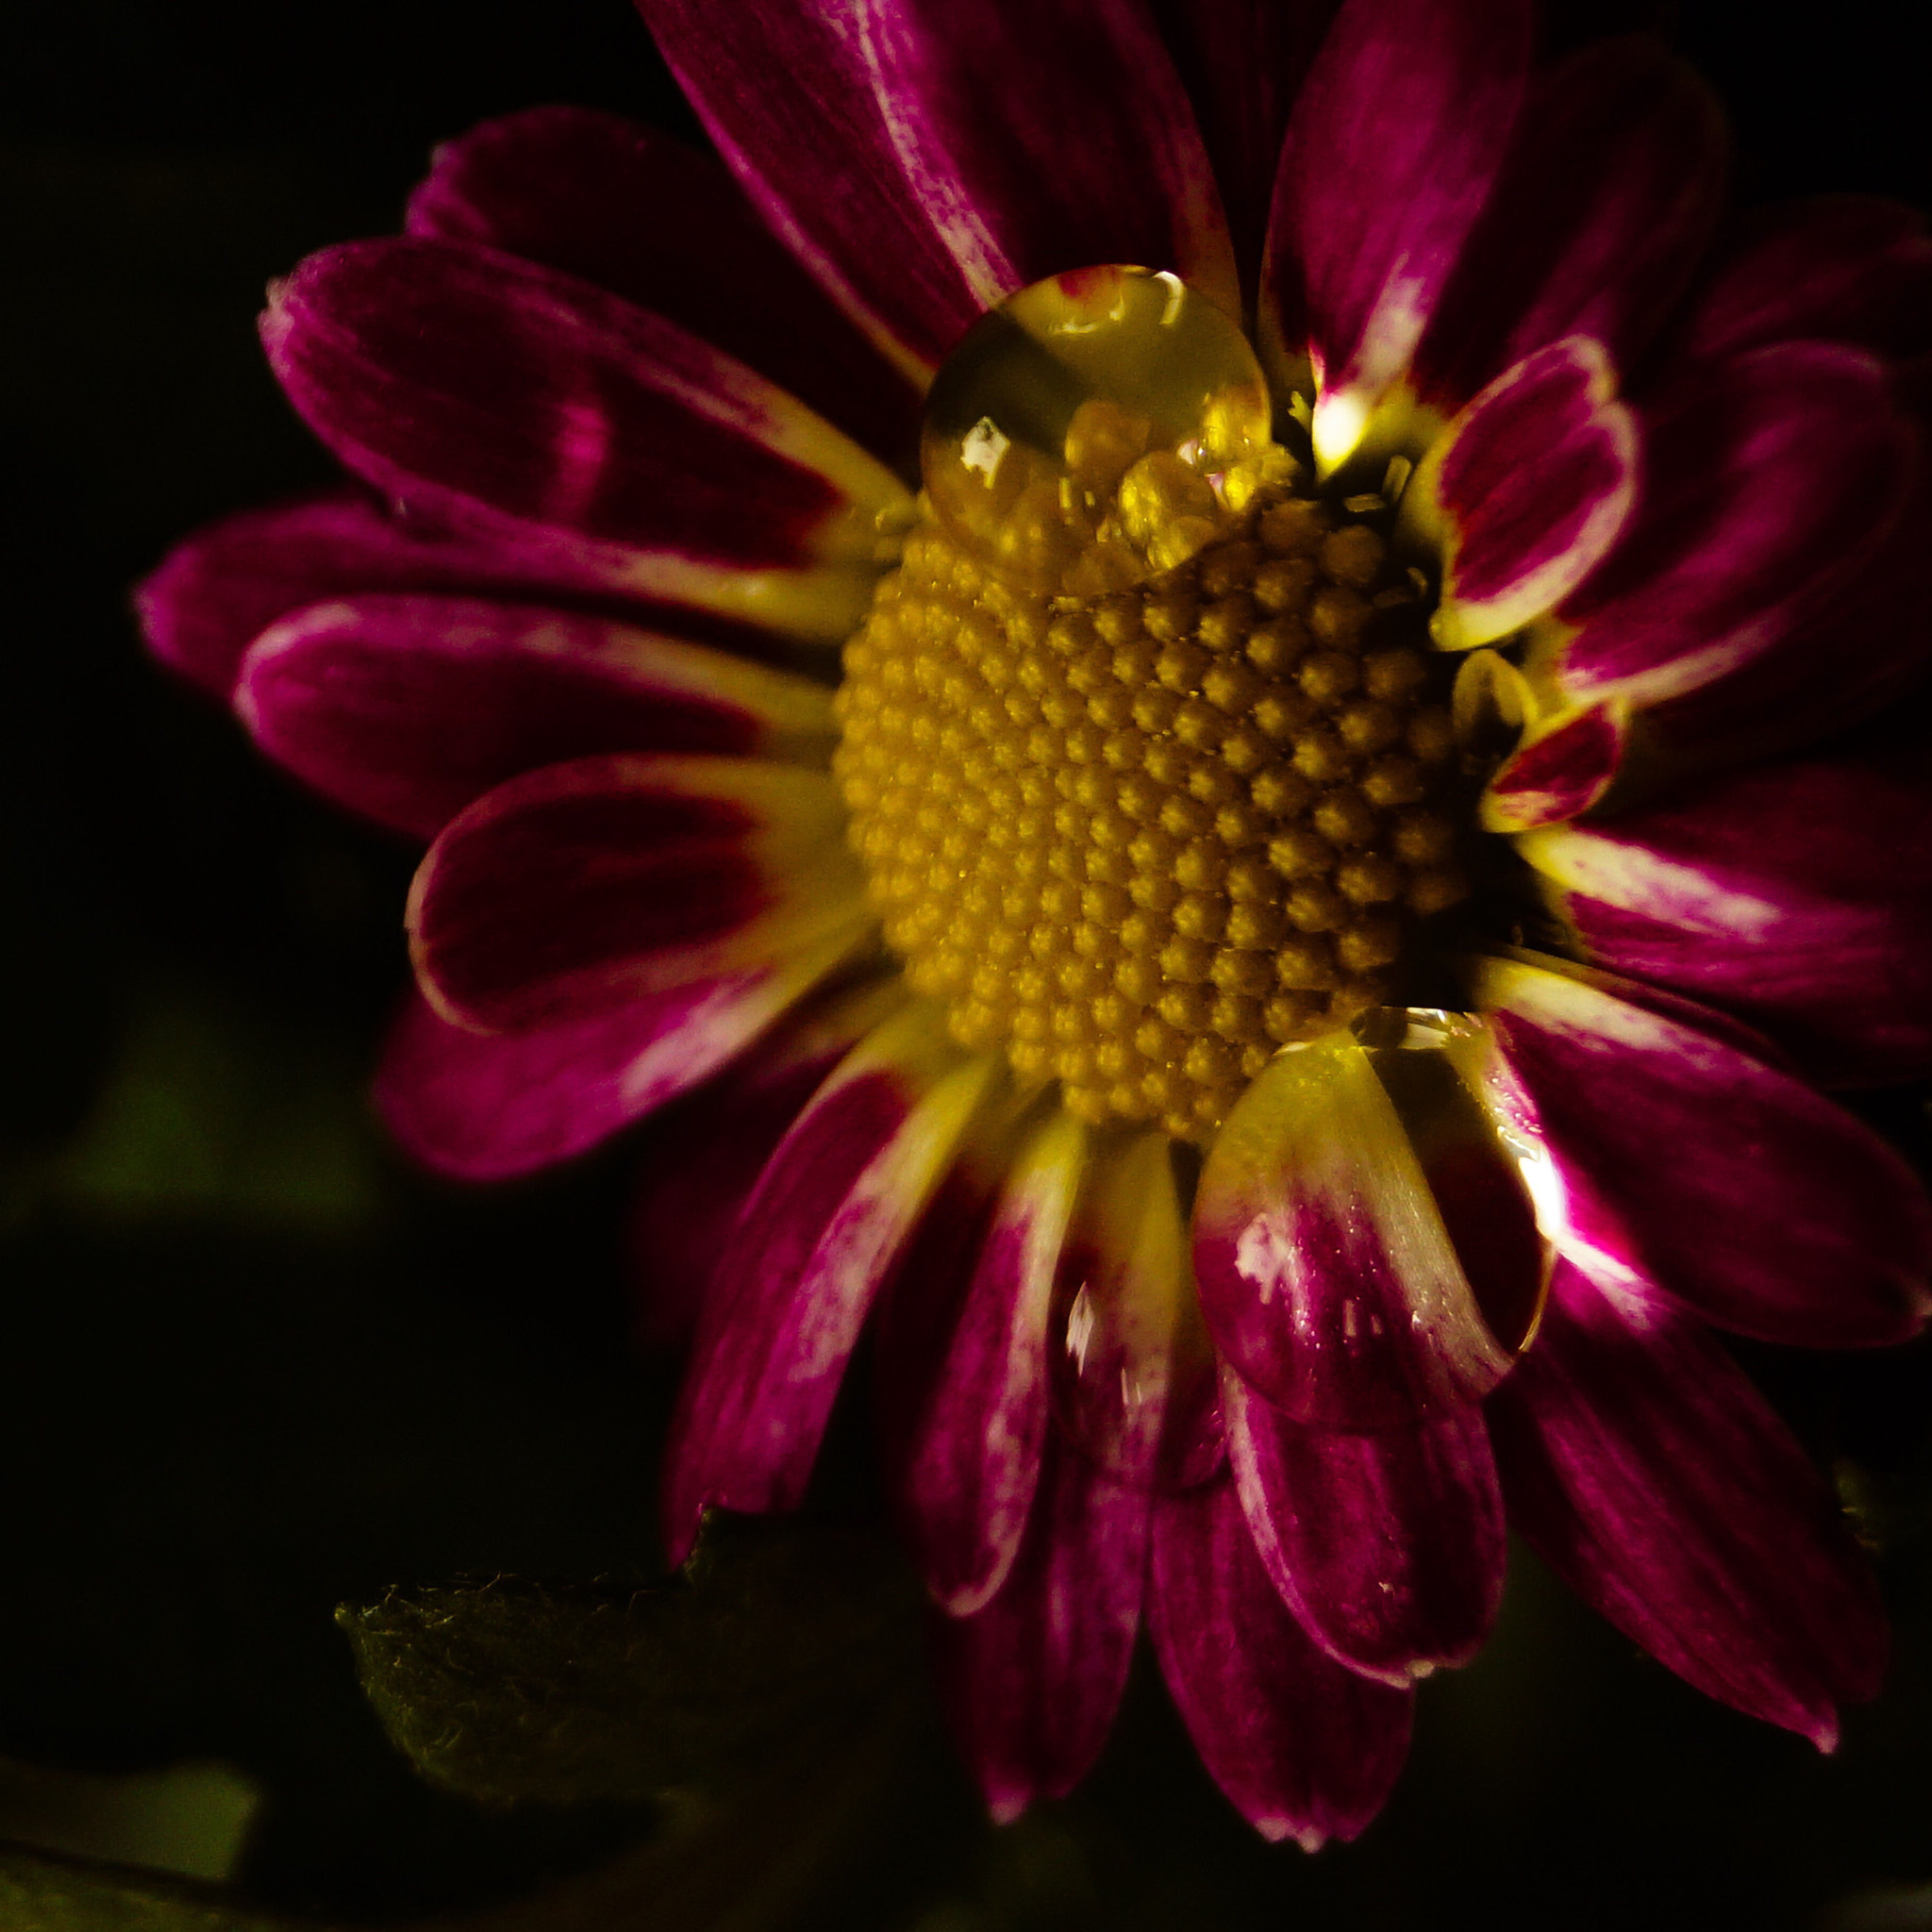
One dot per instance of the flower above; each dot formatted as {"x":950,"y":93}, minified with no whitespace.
{"x":1381,"y":828}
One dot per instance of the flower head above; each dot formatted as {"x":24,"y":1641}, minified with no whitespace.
{"x":1293,"y":972}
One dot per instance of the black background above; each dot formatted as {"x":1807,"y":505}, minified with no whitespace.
{"x":250,"y":1366}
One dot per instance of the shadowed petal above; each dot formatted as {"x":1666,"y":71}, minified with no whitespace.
{"x":698,"y":1162}
{"x":1767,"y":480}
{"x":1863,"y":647}
{"x":588,"y":884}
{"x":407,"y":708}
{"x":217,"y":591}
{"x":1388,"y":1548}
{"x":1603,"y":207}
{"x":1032,"y":1681}
{"x":1688,"y":1162}
{"x":1131,"y":1368}
{"x":1535,"y":480}
{"x":824,"y":1227}
{"x":577,"y":432}
{"x":1092,"y":156}
{"x":483,"y":1107}
{"x":1325,"y":1273}
{"x":1846,"y":268}
{"x":1392,"y":148}
{"x":1559,"y":772}
{"x":1305,"y":1748}
{"x":641,"y":214}
{"x":1243,"y":62}
{"x":787,"y":93}
{"x":970,"y":1475}
{"x":1655,"y":1480}
{"x":1798,"y":895}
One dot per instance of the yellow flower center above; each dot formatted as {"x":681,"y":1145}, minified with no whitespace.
{"x":1143,"y":750}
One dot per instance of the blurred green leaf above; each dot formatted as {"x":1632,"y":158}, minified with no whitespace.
{"x":190,"y":1817}
{"x":211,"y":1113}
{"x":44,"y":1895}
{"x":774,"y":1640}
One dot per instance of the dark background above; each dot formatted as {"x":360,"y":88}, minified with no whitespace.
{"x":251,"y":1367}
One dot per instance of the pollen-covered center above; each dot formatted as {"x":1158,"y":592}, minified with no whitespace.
{"x":1143,"y":751}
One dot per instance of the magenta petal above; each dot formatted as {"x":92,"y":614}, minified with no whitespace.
{"x":1032,"y":1681}
{"x":1844,"y":268}
{"x":1243,"y":62}
{"x":1092,"y":155}
{"x":407,"y":708}
{"x":1129,"y":1363}
{"x":1388,"y":1548}
{"x":785,"y":90}
{"x":1305,"y":1748}
{"x":1768,"y":481}
{"x":1391,"y":150}
{"x":1689,"y":1163}
{"x":1865,"y":646}
{"x":1537,"y":478}
{"x":1559,"y":774}
{"x":1797,"y":895}
{"x":641,"y":214}
{"x":698,"y":1163}
{"x":586,"y":884}
{"x":577,"y":432}
{"x":218,"y":592}
{"x":485,"y":1106}
{"x":968,"y":1478}
{"x":1603,"y":207}
{"x":1657,"y":1482}
{"x":912,"y":1332}
{"x":1325,"y":1273}
{"x":825,"y":1226}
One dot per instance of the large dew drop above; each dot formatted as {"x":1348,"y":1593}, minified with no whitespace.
{"x":1096,"y":429}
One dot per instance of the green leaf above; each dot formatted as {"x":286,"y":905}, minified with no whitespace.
{"x":775,"y":1642}
{"x":776,"y":1693}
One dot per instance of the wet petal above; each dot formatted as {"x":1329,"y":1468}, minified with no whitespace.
{"x":1767,"y":481}
{"x":1848,"y":268}
{"x":641,"y":214}
{"x":1092,"y":155}
{"x":974,"y":1460}
{"x":585,"y":885}
{"x":1688,"y":1162}
{"x":1388,"y":1548}
{"x":1657,"y":1482}
{"x":1132,"y":1371}
{"x":1559,"y":772}
{"x":579,"y":434}
{"x":825,"y":1226}
{"x":1391,"y":150}
{"x":1032,"y":1681}
{"x":483,"y":1107}
{"x":1304,"y":1748}
{"x":1604,"y":207}
{"x":1534,"y":482}
{"x":407,"y":708}
{"x":1797,"y":895}
{"x":1327,"y":1275}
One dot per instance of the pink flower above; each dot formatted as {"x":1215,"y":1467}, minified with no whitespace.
{"x":1294,"y":1109}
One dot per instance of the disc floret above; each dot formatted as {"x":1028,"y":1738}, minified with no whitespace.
{"x":1145,"y":753}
